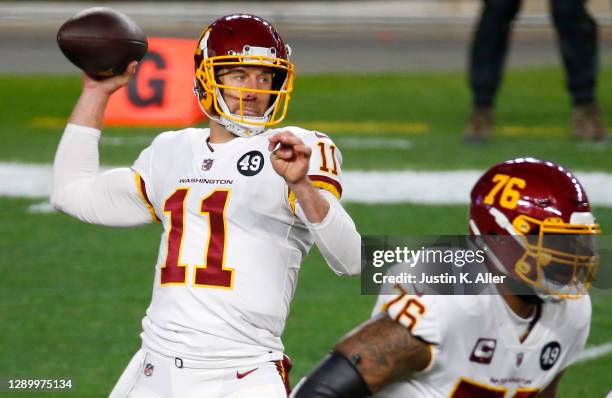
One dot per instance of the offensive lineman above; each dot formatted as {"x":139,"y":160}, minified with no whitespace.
{"x":240,"y":207}
{"x":503,"y":344}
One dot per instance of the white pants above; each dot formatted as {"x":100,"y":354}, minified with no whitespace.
{"x":149,"y":375}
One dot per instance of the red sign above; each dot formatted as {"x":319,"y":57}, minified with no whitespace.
{"x":161,"y":92}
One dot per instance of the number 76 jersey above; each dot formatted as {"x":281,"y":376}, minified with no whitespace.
{"x":477,"y":348}
{"x":232,"y":245}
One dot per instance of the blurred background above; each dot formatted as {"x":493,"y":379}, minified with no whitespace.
{"x":387,"y":80}
{"x":327,"y":36}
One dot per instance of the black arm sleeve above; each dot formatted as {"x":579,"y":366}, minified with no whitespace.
{"x":335,"y":377}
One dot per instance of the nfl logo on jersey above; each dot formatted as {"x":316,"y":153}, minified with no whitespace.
{"x":148,"y":370}
{"x":207,"y":164}
{"x":519,"y":359}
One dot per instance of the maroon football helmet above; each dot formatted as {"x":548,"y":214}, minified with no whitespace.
{"x":536,"y":226}
{"x":242,"y":40}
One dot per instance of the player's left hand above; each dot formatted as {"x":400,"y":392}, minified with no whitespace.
{"x":292,"y":157}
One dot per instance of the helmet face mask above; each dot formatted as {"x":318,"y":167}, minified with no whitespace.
{"x":536,"y":227}
{"x":242,"y":41}
{"x":561,"y":259}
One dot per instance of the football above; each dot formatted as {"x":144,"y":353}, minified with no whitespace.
{"x":102,"y":41}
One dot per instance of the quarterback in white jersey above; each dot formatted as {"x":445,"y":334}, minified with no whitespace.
{"x":533,"y":221}
{"x":240,"y":206}
{"x":238,"y":218}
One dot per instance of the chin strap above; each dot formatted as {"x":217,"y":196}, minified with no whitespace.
{"x":240,"y":129}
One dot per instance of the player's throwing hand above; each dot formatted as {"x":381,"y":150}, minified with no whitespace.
{"x":89,"y":109}
{"x":111,"y":84}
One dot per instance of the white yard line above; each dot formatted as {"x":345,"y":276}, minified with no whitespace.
{"x":423,"y":187}
{"x":25,"y":180}
{"x":594,"y":352}
{"x":41,"y":208}
{"x":443,"y":187}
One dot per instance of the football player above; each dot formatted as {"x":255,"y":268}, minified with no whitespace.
{"x":535,"y":226}
{"x":240,"y":205}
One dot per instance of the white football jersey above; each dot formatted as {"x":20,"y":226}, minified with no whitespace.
{"x":476,"y":347}
{"x":232,"y":246}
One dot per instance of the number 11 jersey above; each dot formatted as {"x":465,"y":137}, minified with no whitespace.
{"x":232,"y":245}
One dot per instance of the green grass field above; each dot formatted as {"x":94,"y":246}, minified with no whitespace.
{"x":72,"y":295}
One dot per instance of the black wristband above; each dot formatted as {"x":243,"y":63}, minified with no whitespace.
{"x":335,"y":377}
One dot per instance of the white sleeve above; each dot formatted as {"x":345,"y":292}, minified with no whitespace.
{"x":336,"y":237}
{"x":109,"y":198}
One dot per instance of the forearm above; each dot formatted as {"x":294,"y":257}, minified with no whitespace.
{"x":314,"y":206}
{"x":386,"y":351}
{"x":81,"y":190}
{"x":335,"y":235}
{"x":89,"y":109}
{"x":366,"y":360}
